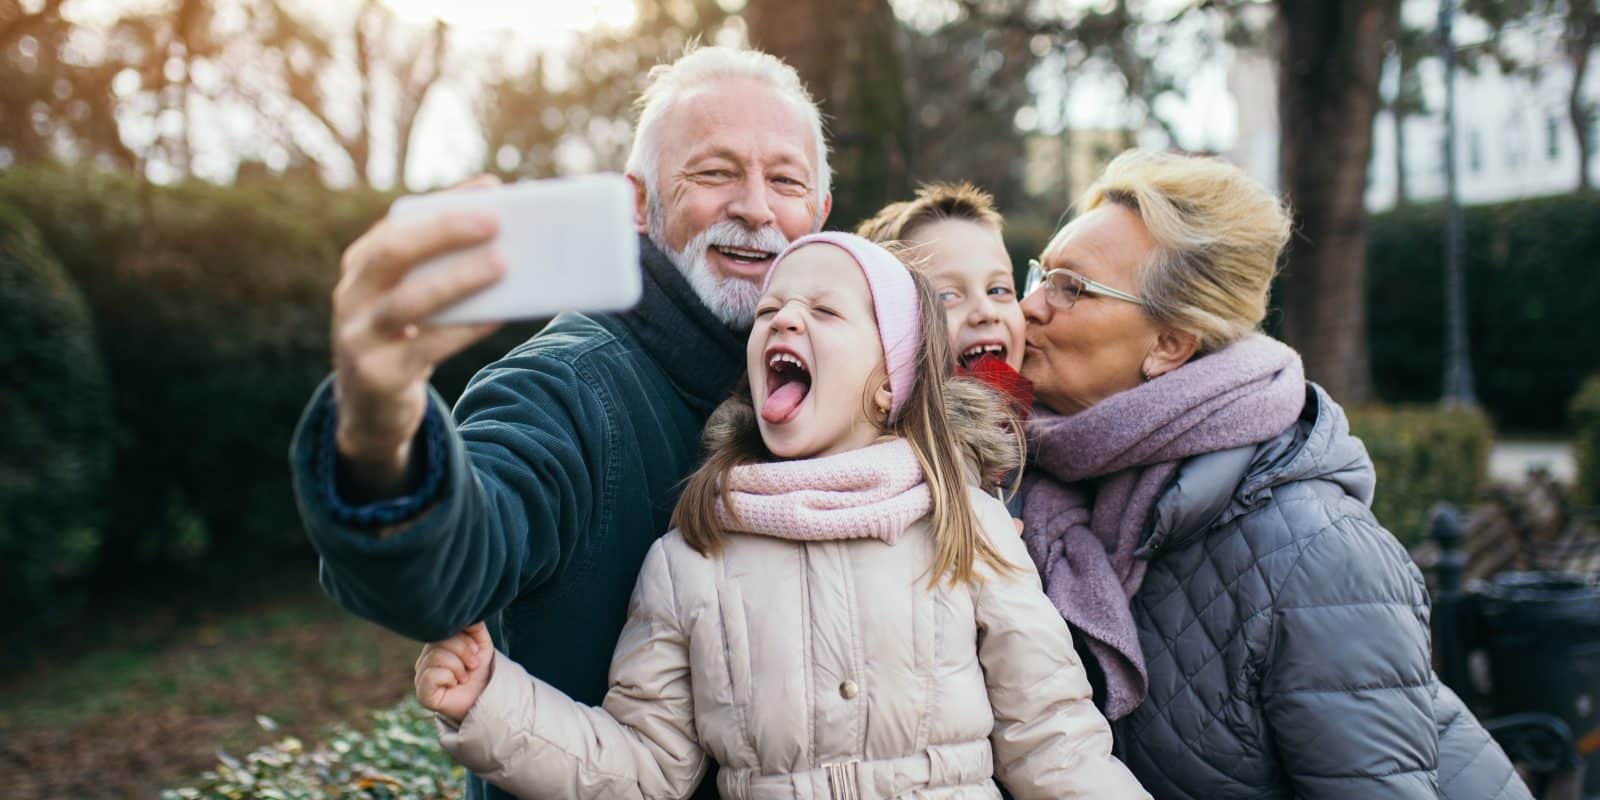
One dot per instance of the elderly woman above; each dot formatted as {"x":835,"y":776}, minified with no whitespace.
{"x":1200,"y":514}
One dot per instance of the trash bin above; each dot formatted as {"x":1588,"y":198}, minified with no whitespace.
{"x":1541,"y":633}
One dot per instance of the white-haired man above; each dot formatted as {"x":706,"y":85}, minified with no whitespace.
{"x":534,"y":506}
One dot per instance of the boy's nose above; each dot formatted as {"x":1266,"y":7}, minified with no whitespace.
{"x":984,"y":311}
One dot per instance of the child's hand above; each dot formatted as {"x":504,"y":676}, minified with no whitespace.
{"x":452,"y":673}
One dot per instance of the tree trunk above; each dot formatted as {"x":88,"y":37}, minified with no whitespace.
{"x":1402,"y":194}
{"x":1581,"y":36}
{"x":1329,"y":56}
{"x":847,"y":52}
{"x":426,"y":66}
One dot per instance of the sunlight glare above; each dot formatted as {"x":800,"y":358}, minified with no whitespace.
{"x":541,"y":23}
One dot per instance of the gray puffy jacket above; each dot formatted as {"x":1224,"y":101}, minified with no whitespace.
{"x":1286,"y":636}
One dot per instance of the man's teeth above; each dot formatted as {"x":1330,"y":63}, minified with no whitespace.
{"x":785,"y":358}
{"x":980,"y":349}
{"x":750,"y":255}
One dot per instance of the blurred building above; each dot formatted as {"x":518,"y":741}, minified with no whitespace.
{"x":1514,"y":137}
{"x":1059,"y":167}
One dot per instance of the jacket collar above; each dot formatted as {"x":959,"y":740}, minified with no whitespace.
{"x":702,"y":357}
{"x":1214,"y":488}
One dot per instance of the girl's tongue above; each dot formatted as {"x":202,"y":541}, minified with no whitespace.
{"x":782,"y":403}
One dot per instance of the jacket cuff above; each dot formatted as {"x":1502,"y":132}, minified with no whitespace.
{"x":430,"y":446}
{"x":498,"y":718}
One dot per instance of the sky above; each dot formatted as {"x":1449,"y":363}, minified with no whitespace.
{"x":446,"y":151}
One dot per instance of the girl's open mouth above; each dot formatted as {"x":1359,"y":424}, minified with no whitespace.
{"x":788,"y":384}
{"x":969,"y":357}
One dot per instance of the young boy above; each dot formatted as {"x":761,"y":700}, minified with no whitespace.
{"x":951,"y":233}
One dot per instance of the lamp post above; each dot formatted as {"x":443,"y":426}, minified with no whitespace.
{"x":1457,"y":366}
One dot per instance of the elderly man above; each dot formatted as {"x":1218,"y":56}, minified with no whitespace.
{"x":535,"y":506}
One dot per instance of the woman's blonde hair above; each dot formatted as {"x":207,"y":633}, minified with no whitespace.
{"x":1218,"y":237}
{"x":957,"y":427}
{"x":935,"y":202}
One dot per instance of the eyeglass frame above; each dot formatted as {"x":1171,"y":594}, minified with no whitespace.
{"x":1037,"y":276}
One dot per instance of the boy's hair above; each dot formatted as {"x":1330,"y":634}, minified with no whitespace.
{"x":957,"y":427}
{"x":935,"y":202}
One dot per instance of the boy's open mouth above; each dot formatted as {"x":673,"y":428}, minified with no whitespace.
{"x":969,"y":357}
{"x":788,"y":384}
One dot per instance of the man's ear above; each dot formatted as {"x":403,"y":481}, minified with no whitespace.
{"x":1173,"y":349}
{"x":641,"y":202}
{"x":822,"y":213}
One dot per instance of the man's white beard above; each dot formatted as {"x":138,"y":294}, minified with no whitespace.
{"x":731,"y":300}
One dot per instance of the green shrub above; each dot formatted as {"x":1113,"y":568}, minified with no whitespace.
{"x":211,"y":305}
{"x":1586,"y":444}
{"x":1423,"y":455}
{"x":1533,"y":295}
{"x":399,"y":757}
{"x":55,"y":450}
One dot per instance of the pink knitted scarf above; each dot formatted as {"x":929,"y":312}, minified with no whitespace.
{"x":872,"y":492}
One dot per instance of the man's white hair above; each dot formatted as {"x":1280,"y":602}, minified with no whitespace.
{"x":696,"y":68}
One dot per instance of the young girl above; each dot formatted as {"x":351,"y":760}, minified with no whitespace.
{"x":836,"y":614}
{"x":951,"y":232}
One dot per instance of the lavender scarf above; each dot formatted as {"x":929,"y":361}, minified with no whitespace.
{"x":1094,"y":477}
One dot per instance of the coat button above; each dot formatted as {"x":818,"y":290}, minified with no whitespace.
{"x":848,"y":690}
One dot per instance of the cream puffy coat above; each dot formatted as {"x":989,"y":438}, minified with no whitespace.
{"x":813,"y":671}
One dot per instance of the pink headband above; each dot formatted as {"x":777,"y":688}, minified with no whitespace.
{"x":894,"y":302}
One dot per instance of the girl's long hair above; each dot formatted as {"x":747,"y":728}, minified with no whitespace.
{"x":961,"y":431}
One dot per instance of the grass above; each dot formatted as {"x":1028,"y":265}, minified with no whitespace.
{"x":142,"y":695}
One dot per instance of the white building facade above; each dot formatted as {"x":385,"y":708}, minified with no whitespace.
{"x":1514,"y":138}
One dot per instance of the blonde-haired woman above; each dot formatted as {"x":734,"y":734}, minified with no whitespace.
{"x":1199,"y":514}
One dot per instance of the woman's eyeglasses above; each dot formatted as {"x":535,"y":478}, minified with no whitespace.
{"x":1063,"y":287}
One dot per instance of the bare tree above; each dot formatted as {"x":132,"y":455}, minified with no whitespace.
{"x":1408,"y":48}
{"x":385,"y":56}
{"x":53,"y":103}
{"x":1579,"y":36}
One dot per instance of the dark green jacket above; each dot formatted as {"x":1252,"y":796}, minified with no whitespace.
{"x":561,"y":469}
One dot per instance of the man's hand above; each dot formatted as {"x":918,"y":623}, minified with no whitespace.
{"x":452,"y":674}
{"x":383,"y":355}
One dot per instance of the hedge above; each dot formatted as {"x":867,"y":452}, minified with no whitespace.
{"x":210,"y":310}
{"x":1533,"y":295}
{"x":399,"y":757}
{"x":1423,"y":455}
{"x":1586,"y":440}
{"x":56,"y":447}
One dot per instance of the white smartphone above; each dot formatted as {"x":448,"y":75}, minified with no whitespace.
{"x":570,"y":244}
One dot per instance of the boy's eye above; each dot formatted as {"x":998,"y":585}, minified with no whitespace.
{"x":764,"y":311}
{"x":826,"y":310}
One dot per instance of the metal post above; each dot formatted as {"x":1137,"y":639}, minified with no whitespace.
{"x":1448,"y":639}
{"x":1458,"y":389}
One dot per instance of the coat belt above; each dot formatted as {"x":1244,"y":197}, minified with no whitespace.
{"x":965,"y":764}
